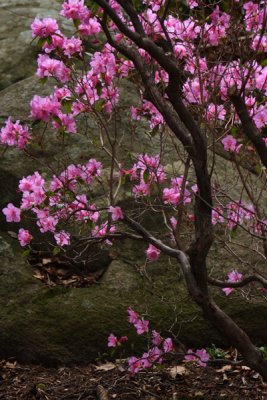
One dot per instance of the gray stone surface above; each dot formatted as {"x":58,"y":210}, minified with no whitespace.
{"x":60,"y":325}
{"x":17,"y":53}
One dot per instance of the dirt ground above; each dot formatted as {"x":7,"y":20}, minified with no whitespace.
{"x":109,"y":381}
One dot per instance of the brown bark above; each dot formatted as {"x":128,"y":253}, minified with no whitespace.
{"x":185,"y":128}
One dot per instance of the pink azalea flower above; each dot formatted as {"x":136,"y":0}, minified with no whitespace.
{"x":90,"y":27}
{"x":152,"y":253}
{"x":167,"y":345}
{"x":24,"y":237}
{"x":230,"y":144}
{"x":12,"y":213}
{"x":71,"y":46}
{"x":116,"y":213}
{"x":74,"y":9}
{"x":44,"y":28}
{"x":233,"y":276}
{"x":135,"y":365}
{"x":227,"y":291}
{"x":156,"y":338}
{"x":202,"y":358}
{"x":133,"y":316}
{"x":51,"y":67}
{"x":112,"y":340}
{"x":62,"y":238}
{"x":14,"y":134}
{"x":141,"y":326}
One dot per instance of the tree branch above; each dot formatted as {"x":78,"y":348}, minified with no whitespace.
{"x":241,"y":283}
{"x":250,"y":129}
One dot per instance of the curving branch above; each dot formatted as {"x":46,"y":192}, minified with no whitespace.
{"x":241,"y":283}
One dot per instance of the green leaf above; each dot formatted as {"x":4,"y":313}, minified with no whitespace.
{"x":258,"y":169}
{"x":56,"y":251}
{"x":264,"y":62}
{"x":43,"y":80}
{"x":233,"y":130}
{"x":40,"y":386}
{"x":41,"y":42}
{"x":99,"y":105}
{"x":26,"y":253}
{"x":67,"y":104}
{"x":77,"y":22}
{"x":146,"y":176}
{"x":93,"y":6}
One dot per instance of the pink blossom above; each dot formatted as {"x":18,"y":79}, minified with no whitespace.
{"x":217,"y":216}
{"x":51,"y":67}
{"x":67,"y":122}
{"x":43,"y":108}
{"x":133,"y":316}
{"x":154,"y":355}
{"x":233,"y":276}
{"x":156,"y":338}
{"x":200,"y":356}
{"x":62,"y":238}
{"x":90,"y":27}
{"x":192,"y":3}
{"x":112,"y":340}
{"x":152,"y":253}
{"x":12,"y":213}
{"x":230,"y":144}
{"x":215,"y":112}
{"x":74,"y":9}
{"x":167,"y":345}
{"x":116,"y":213}
{"x":135,"y":365}
{"x":24,"y":237}
{"x":14,"y":134}
{"x":227,"y":291}
{"x":141,"y":326}
{"x":71,"y":46}
{"x":44,"y":28}
{"x":47,"y":223}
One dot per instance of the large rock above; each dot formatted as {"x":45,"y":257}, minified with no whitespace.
{"x":62,"y":325}
{"x":17,"y":52}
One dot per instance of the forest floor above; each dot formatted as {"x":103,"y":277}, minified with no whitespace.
{"x":112,"y":381}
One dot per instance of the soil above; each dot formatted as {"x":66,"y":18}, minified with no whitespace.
{"x":109,"y":381}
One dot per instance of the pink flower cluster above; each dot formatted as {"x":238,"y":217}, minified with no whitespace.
{"x":200,"y":356}
{"x":230,"y":144}
{"x":147,"y":171}
{"x":159,"y":346}
{"x":113,"y":341}
{"x":44,"y":28}
{"x":173,"y":194}
{"x":152,"y":253}
{"x":51,"y":67}
{"x":14,"y":134}
{"x":24,"y":237}
{"x":233,"y":276}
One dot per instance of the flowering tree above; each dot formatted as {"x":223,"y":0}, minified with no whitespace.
{"x":200,"y":68}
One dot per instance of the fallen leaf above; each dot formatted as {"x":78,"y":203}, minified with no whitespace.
{"x":177,"y":370}
{"x":198,"y":393}
{"x":46,"y":261}
{"x":11,"y":365}
{"x":224,"y":368}
{"x":38,"y":275}
{"x":105,"y":367}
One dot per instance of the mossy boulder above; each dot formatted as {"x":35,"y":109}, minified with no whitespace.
{"x":69,"y":325}
{"x":17,"y":52}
